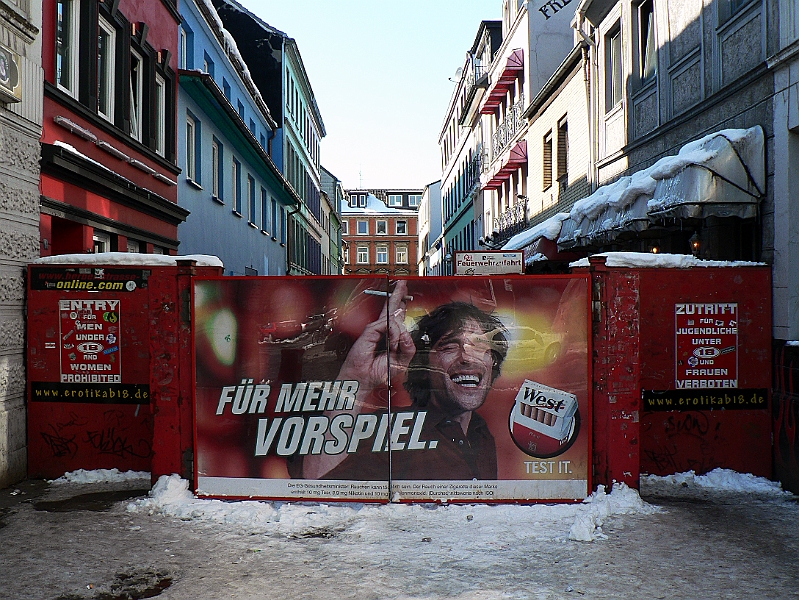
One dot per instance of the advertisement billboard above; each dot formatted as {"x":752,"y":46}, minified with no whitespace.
{"x":417,"y":389}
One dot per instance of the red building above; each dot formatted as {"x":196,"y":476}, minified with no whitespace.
{"x":379,"y":230}
{"x":109,"y":167}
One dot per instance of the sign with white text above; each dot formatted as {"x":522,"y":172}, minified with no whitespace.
{"x":706,"y":345}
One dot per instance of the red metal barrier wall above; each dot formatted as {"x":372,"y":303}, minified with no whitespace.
{"x":109,"y":368}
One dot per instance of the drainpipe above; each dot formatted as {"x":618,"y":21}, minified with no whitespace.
{"x":589,"y":68}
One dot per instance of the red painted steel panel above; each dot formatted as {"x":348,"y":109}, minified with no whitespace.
{"x":693,"y":437}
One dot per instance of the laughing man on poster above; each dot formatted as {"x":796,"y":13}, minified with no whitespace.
{"x":449,"y":363}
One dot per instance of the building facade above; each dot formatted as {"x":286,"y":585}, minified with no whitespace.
{"x":430,"y":230}
{"x":380,"y":231}
{"x":278,"y":72}
{"x":333,"y":195}
{"x":20,"y":130}
{"x":109,"y":157}
{"x":238,"y":198}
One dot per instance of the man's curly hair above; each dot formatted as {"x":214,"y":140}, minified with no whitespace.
{"x":433,"y":326}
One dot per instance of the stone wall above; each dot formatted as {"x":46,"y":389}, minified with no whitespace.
{"x":20,"y":130}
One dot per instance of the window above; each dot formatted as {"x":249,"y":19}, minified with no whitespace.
{"x":345,"y":227}
{"x":182,"y":48}
{"x":363,"y":255}
{"x":729,"y":8}
{"x":240,"y":108}
{"x":208,"y":65}
{"x":186,"y":47}
{"x":226,"y":88}
{"x":274,"y":219}
{"x":382,"y":255}
{"x":106,"y":51}
{"x":136,"y":94}
{"x":158,"y":250}
{"x":402,"y":255}
{"x":264,"y":210}
{"x":647,"y":50}
{"x":547,"y":176}
{"x":251,"y":208}
{"x":382,"y":227}
{"x":614,"y":79}
{"x":236,"y":187}
{"x":216,"y":169}
{"x":133,"y":246}
{"x":563,"y":150}
{"x":402,"y":228}
{"x":282,"y":225}
{"x":394,"y":200}
{"x":362,"y":201}
{"x":363,"y":228}
{"x":102,"y":242}
{"x":414,"y":200}
{"x":66,"y":45}
{"x":191,"y":159}
{"x":160,"y":115}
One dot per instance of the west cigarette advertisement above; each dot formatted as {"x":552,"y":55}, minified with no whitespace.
{"x":418,"y":389}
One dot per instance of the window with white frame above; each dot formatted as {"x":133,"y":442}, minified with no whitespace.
{"x":133,"y":246}
{"x":236,"y":181}
{"x":382,"y":255}
{"x":216,"y":169}
{"x":402,"y":227}
{"x":414,"y":200}
{"x":160,"y":115}
{"x":102,"y":242}
{"x":363,"y":228}
{"x":66,"y":45}
{"x":251,"y":208}
{"x":614,"y":77}
{"x":182,"y":49}
{"x":363,"y":255}
{"x":106,"y":53}
{"x":547,"y":161}
{"x":362,"y":201}
{"x":191,"y":159}
{"x":381,"y":227}
{"x":395,"y":200}
{"x":402,"y":255}
{"x":136,"y":94}
{"x":345,"y":227}
{"x":264,"y":211}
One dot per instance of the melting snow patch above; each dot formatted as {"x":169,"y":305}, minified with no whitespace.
{"x":718,"y":479}
{"x":622,"y":500}
{"x":101,"y":476}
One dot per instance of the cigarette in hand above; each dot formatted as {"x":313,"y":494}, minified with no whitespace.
{"x":385,"y":294}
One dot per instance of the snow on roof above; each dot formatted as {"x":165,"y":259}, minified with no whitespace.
{"x":660,"y":261}
{"x":232,"y":49}
{"x":374,"y":206}
{"x":128,"y":258}
{"x":549,"y":229}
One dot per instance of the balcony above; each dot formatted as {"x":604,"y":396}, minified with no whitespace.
{"x":509,"y":223}
{"x":511,"y":125}
{"x":476,"y":80}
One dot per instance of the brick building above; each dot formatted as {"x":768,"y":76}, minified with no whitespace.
{"x":379,"y":231}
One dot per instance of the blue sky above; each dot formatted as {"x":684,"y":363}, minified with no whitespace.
{"x":379,"y":71}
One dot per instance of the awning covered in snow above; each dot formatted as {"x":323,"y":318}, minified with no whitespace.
{"x":722,"y":174}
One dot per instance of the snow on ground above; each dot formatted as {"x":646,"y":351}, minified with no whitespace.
{"x":101,"y":476}
{"x":724,"y":480}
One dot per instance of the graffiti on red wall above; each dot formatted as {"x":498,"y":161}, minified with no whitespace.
{"x":683,"y":441}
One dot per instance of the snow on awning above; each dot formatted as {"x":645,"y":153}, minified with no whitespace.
{"x":722,"y":174}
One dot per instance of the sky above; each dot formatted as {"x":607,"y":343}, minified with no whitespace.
{"x":380,"y":74}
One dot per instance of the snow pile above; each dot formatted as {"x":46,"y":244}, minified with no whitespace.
{"x":723,"y":480}
{"x":128,"y":258}
{"x":622,"y":500}
{"x":662,"y":261}
{"x":582,"y":522}
{"x":101,"y":476}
